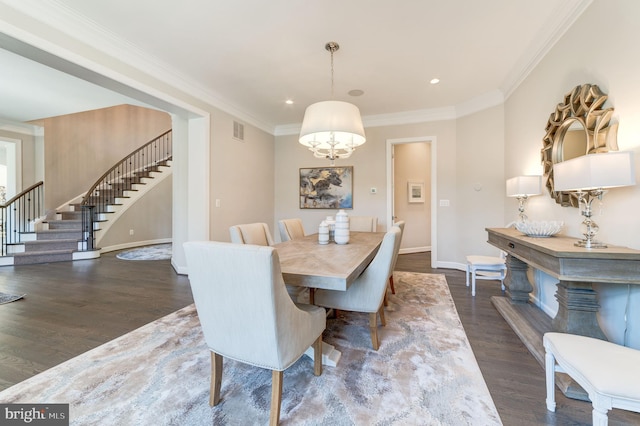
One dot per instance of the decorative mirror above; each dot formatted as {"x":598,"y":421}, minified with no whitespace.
{"x":578,"y":126}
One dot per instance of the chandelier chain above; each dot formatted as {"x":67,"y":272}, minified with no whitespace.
{"x":332,"y":46}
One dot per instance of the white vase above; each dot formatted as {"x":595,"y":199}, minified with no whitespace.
{"x":341,"y":236}
{"x":323,"y":233}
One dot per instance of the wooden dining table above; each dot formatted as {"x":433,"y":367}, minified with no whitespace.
{"x":306,"y":263}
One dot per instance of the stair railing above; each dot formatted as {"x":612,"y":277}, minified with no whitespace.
{"x":18,"y":215}
{"x":120,"y":178}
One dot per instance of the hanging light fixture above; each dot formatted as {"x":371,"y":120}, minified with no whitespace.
{"x":332,"y":129}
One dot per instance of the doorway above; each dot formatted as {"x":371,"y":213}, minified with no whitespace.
{"x":10,"y":166}
{"x":411,"y":189}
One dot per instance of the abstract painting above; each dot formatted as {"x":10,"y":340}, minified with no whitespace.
{"x":326,"y":188}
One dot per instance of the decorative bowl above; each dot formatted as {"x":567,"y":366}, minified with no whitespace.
{"x":545,"y":228}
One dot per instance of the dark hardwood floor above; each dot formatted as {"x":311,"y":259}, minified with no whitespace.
{"x":76,"y":306}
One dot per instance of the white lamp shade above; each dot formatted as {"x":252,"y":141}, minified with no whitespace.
{"x":524,"y":185}
{"x":328,"y":122}
{"x":595,"y":171}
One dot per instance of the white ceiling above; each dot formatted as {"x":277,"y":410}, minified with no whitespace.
{"x":249,"y":56}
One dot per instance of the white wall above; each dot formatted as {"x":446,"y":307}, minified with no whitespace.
{"x":480,"y":180}
{"x":597,"y":49}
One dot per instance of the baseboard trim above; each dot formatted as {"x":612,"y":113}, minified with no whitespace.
{"x":135,"y":244}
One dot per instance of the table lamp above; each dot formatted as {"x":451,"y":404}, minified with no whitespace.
{"x":522,"y":187}
{"x":589,"y":176}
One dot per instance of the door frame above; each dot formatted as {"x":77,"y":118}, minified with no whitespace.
{"x":390,"y":143}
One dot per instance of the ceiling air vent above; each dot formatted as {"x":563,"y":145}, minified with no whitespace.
{"x":238,"y":131}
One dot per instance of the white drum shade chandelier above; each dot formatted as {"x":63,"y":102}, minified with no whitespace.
{"x":332,"y":129}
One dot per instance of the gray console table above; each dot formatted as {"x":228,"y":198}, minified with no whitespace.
{"x":576,"y":269}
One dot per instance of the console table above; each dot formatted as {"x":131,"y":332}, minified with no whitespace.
{"x":576,"y":269}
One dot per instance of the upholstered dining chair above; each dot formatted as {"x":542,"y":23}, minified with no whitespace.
{"x":251,"y":233}
{"x":367,"y":292}
{"x":399,"y":224}
{"x":290,"y":229}
{"x":258,"y":234}
{"x":247,"y":315}
{"x":363,"y":223}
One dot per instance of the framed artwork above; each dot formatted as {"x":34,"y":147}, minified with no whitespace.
{"x":326,"y":188}
{"x":416,"y":192}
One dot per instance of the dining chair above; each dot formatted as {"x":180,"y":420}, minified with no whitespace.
{"x":363,"y":223}
{"x":367,"y":292}
{"x":290,"y":229}
{"x":251,"y":233}
{"x":399,"y":224}
{"x":246,"y":314}
{"x":258,"y":234}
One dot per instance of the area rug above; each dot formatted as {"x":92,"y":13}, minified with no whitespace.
{"x":424,"y":373}
{"x":8,"y":298}
{"x":155,"y":252}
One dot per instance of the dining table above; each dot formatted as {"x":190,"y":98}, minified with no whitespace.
{"x":305,"y":262}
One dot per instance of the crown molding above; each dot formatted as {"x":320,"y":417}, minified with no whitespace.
{"x":20,"y":128}
{"x":479,"y":103}
{"x":564,"y":16}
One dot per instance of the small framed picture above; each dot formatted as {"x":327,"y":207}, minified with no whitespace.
{"x":416,"y":192}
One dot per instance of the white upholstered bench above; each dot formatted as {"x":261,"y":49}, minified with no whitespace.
{"x":608,"y":372}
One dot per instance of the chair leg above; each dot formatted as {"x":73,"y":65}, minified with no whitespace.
{"x":276,"y":397}
{"x":599,"y":417}
{"x":467,"y":275}
{"x":373,"y":329}
{"x":473,"y":282}
{"x":550,"y":371}
{"x":383,"y":320}
{"x":216,"y":379}
{"x":393,"y":289}
{"x":317,"y":356}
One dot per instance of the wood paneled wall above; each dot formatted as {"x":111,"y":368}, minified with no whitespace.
{"x":80,"y":147}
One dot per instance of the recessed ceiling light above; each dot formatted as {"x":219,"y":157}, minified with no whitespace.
{"x":356,"y":92}
{"x":435,"y":81}
{"x":288,"y":102}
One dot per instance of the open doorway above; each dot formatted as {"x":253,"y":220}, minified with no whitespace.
{"x":10,"y":167}
{"x":411,"y":183}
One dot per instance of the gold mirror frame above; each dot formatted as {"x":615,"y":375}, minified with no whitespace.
{"x":581,"y":107}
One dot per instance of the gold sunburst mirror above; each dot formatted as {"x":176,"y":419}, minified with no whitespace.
{"x":578,"y":126}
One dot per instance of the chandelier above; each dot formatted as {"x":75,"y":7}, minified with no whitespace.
{"x":332,"y":129}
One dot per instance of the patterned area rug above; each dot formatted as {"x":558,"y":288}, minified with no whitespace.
{"x":155,"y":252}
{"x":8,"y":298}
{"x":424,"y":373}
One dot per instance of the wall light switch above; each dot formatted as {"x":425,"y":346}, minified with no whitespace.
{"x":217,"y":202}
{"x":444,"y":203}
{"x":374,"y":190}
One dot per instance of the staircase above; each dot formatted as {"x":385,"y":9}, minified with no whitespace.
{"x":57,"y":241}
{"x":65,"y":235}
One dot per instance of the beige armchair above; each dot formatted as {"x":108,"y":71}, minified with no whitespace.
{"x":247,"y":315}
{"x":251,"y":233}
{"x":363,"y":223}
{"x":367,"y":292}
{"x":290,"y":229}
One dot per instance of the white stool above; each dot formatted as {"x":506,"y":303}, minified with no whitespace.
{"x":608,"y":372}
{"x":490,"y":268}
